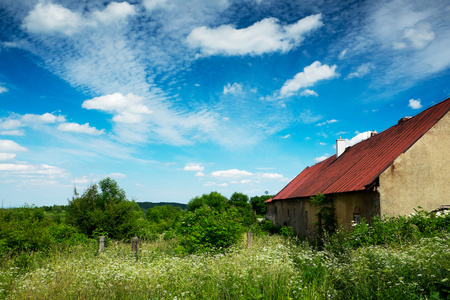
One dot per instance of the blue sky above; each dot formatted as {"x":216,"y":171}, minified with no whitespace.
{"x":174,"y":99}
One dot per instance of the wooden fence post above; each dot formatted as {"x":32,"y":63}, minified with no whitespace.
{"x":101,"y":246}
{"x":249,"y":239}
{"x":134,"y":245}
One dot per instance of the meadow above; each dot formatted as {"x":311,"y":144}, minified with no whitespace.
{"x":274,"y":267}
{"x":202,"y":253}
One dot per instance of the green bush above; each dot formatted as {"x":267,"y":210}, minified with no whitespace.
{"x":209,"y":230}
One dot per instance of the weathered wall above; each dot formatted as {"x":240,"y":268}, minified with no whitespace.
{"x":300,"y":214}
{"x":420,"y":176}
{"x":297,"y":213}
{"x":347,"y":205}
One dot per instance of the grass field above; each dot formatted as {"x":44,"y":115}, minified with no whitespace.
{"x":273,"y":268}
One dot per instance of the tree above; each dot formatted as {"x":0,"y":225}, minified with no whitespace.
{"x":240,"y":201}
{"x":259,"y":204}
{"x":213,"y":199}
{"x":107,"y":210}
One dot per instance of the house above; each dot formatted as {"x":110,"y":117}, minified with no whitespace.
{"x":389,"y":174}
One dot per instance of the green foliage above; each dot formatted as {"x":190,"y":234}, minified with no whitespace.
{"x":106,"y":209}
{"x":208,"y":229}
{"x":30,"y":229}
{"x":390,"y":231}
{"x":326,"y":218}
{"x":259,"y":204}
{"x":163,"y":218}
{"x":213,"y":199}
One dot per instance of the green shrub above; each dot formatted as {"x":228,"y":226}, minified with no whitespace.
{"x":209,"y":230}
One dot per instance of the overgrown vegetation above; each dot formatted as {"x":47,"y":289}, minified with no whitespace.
{"x":202,"y":253}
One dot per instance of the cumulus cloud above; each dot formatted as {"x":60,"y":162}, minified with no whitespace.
{"x":193,"y":167}
{"x":46,"y":118}
{"x":310,"y":75}
{"x":308,"y":93}
{"x":415,"y":104}
{"x":49,"y":18}
{"x":272,"y":176}
{"x":232,"y":173}
{"x":234,"y":89}
{"x":199,"y":174}
{"x":358,"y":138}
{"x":75,"y":127}
{"x":265,"y":36}
{"x":3,"y":89}
{"x":126,"y":109}
{"x":361,"y":71}
{"x":10,"y":146}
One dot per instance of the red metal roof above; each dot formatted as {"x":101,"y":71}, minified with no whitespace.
{"x":361,"y":164}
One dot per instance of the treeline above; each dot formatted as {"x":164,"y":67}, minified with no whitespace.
{"x":210,"y":222}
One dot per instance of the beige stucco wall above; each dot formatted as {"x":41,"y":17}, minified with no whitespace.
{"x":420,"y":176}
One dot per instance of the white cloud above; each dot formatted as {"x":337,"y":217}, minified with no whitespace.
{"x":361,"y":71}
{"x":308,"y":93}
{"x":10,"y":124}
{"x":246,"y":181}
{"x":322,"y":144}
{"x":7,"y":156}
{"x":327,"y":122}
{"x":358,"y":138}
{"x":193,"y":167}
{"x":322,"y":158}
{"x":262,"y":37}
{"x":342,"y":54}
{"x":12,"y":132}
{"x":417,"y":37}
{"x":3,"y":89}
{"x":415,"y":104}
{"x":115,"y":12}
{"x":223,"y":184}
{"x":232,"y":173}
{"x":286,"y":136}
{"x":234,"y":89}
{"x":32,"y":169}
{"x":10,"y":146}
{"x":85,"y":128}
{"x":117,"y":175}
{"x":46,"y":118}
{"x":310,"y":75}
{"x":126,"y":109}
{"x":199,"y":174}
{"x":209,"y":183}
{"x":49,"y":18}
{"x":272,"y":176}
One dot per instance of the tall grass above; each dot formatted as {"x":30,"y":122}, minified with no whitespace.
{"x":273,"y":268}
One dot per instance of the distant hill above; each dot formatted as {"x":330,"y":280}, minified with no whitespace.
{"x":146,"y":205}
